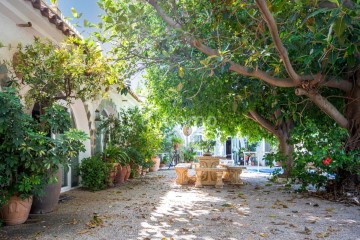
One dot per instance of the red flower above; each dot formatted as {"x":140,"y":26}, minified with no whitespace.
{"x":327,"y":161}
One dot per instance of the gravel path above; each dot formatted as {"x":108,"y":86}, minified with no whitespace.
{"x":153,"y":207}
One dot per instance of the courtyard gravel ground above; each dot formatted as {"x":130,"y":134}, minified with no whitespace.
{"x":154,"y":207}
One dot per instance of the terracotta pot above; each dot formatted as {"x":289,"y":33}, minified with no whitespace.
{"x":16,"y":211}
{"x":176,"y":146}
{"x":162,"y":165}
{"x":156,"y":166}
{"x":50,"y":199}
{"x":138,"y":170}
{"x":128,"y":168}
{"x":120,"y":175}
{"x":112,"y":174}
{"x":207,"y":154}
{"x":111,"y":178}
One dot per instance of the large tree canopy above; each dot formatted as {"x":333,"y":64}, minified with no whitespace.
{"x":305,"y":45}
{"x":310,"y":48}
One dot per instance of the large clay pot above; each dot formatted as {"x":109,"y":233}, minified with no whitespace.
{"x":120,"y":175}
{"x":16,"y":211}
{"x":128,"y":168}
{"x":50,"y":199}
{"x":156,"y":166}
{"x":138,"y":171}
{"x":112,"y":174}
{"x":176,"y":146}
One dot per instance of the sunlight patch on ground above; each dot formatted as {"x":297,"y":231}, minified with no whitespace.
{"x":176,"y":208}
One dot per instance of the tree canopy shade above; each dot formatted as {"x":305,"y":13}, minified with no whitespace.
{"x":304,"y":45}
{"x":310,"y":48}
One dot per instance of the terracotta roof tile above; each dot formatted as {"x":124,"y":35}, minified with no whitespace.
{"x":53,"y":17}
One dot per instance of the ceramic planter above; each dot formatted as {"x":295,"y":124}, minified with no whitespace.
{"x":156,"y":166}
{"x":50,"y":199}
{"x":128,"y":168}
{"x":138,"y":170}
{"x":112,"y":174}
{"x":16,"y":211}
{"x":120,"y":175}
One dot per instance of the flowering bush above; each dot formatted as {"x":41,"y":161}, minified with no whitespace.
{"x":320,"y":156}
{"x":327,"y":161}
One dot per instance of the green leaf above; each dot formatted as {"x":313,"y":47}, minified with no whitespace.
{"x":334,"y":1}
{"x":86,"y":23}
{"x":181,"y":72}
{"x":74,"y":12}
{"x":313,"y":14}
{"x":339,"y":26}
{"x":132,"y":8}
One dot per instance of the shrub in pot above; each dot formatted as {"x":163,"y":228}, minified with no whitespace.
{"x":155,"y":164}
{"x":189,"y":155}
{"x":67,"y":145}
{"x":116,"y":157}
{"x":28,"y":156}
{"x":176,"y":141}
{"x":206,"y":146}
{"x":164,"y":160}
{"x":148,"y":165}
{"x":94,"y":173}
{"x":136,"y":160}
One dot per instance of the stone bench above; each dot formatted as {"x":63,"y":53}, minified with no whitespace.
{"x":182,"y":177}
{"x":232,"y":174}
{"x":204,"y":176}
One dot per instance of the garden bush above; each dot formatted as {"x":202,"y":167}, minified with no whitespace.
{"x":94,"y":173}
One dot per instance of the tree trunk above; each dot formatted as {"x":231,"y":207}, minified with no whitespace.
{"x":286,"y":150}
{"x":350,"y":181}
{"x":352,"y":113}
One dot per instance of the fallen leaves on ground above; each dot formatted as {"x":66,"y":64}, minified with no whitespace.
{"x":84,"y":231}
{"x":73,"y":222}
{"x":306,"y":231}
{"x":322,"y":235}
{"x":228,"y":205}
{"x":279,"y":204}
{"x":96,"y":221}
{"x":263,"y":235}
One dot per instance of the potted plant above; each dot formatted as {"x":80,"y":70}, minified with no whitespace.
{"x":115,"y":157}
{"x":164,"y":160}
{"x":28,"y":157}
{"x":67,"y":145}
{"x":136,"y":160}
{"x":189,"y":155}
{"x":71,"y":70}
{"x":206,"y":146}
{"x":176,"y":141}
{"x":146,"y":166}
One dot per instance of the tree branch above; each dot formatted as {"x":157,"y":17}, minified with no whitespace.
{"x":333,"y":82}
{"x":327,"y":4}
{"x":268,"y":17}
{"x":164,"y":16}
{"x":280,"y":82}
{"x":263,"y":122}
{"x":325,"y":106}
